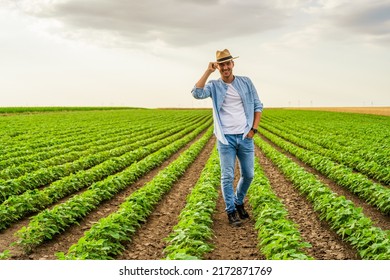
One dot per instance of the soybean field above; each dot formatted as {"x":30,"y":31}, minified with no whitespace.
{"x":144,"y":184}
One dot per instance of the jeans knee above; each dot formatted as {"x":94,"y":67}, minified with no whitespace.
{"x":248,"y":177}
{"x":227,"y":179}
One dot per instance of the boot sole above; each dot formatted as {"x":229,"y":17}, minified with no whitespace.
{"x":244,"y":218}
{"x":236,"y":224}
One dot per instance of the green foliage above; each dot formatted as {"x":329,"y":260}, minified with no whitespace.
{"x":5,"y":255}
{"x":48,"y":156}
{"x":373,"y":193}
{"x":279,"y":237}
{"x":15,"y":110}
{"x":50,"y":222}
{"x":346,"y":219}
{"x":105,"y":238}
{"x":16,"y":207}
{"x":189,"y":238}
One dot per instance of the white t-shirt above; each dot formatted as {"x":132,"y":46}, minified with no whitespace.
{"x":232,"y":113}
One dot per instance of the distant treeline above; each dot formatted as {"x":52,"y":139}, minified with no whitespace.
{"x":49,"y":109}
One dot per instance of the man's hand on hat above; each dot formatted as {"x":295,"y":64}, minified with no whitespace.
{"x":212,"y":66}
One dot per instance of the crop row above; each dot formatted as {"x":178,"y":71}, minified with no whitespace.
{"x":26,"y":155}
{"x":63,"y":124}
{"x":32,"y":201}
{"x":50,"y":132}
{"x":347,"y":220}
{"x":16,"y":167}
{"x":62,"y":156}
{"x":375,"y":194}
{"x":45,"y":176}
{"x":365,"y":137}
{"x":354,"y":130}
{"x":279,"y":237}
{"x":105,"y":238}
{"x":81,"y":143}
{"x":308,"y":141}
{"x":190,"y":237}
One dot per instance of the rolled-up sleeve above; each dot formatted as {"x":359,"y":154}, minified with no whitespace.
{"x":258,"y":105}
{"x":201,"y":93}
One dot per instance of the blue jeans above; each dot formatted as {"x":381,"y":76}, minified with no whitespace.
{"x":243,"y":149}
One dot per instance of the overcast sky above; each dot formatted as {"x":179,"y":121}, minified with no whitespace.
{"x":151,"y":53}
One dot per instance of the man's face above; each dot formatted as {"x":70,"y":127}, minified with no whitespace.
{"x":226,"y":68}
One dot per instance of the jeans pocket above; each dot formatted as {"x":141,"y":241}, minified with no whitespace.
{"x":248,"y":144}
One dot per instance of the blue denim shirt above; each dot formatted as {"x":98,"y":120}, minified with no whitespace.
{"x":216,"y":89}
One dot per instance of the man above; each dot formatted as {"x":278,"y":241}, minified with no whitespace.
{"x":236,"y":113}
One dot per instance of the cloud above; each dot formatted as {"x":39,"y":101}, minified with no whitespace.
{"x":178,"y":23}
{"x":359,"y":22}
{"x":171,"y":22}
{"x":364,"y":20}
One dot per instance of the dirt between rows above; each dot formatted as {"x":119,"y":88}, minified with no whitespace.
{"x":230,"y":243}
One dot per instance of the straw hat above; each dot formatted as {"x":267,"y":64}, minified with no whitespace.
{"x":223,"y":56}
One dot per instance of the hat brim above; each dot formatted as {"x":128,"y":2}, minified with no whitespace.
{"x":228,"y":59}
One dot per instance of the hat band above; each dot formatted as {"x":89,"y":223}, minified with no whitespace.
{"x":224,"y":58}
